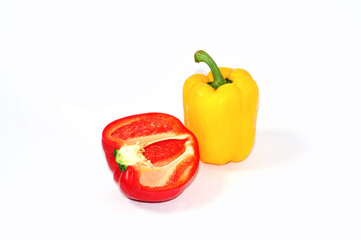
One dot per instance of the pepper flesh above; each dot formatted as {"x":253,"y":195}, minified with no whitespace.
{"x":222,"y":119}
{"x":153,"y":157}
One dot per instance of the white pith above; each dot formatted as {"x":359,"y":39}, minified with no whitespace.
{"x":151,"y":176}
{"x":133,"y":154}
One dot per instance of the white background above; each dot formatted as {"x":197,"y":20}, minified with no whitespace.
{"x":68,"y":68}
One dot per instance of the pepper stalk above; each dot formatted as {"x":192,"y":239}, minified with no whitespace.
{"x":202,"y":56}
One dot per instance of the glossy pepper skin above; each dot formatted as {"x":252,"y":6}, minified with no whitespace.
{"x":221,"y":111}
{"x":153,"y":157}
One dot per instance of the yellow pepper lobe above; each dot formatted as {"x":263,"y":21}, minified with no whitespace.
{"x":223,"y":120}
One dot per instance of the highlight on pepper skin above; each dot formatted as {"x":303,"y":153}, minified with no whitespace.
{"x":153,"y":156}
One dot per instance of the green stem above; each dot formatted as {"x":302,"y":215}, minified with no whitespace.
{"x":202,"y":56}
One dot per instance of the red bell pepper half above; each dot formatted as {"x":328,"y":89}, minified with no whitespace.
{"x":153,"y":156}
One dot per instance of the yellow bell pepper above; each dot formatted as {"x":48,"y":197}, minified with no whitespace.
{"x":221,"y":110}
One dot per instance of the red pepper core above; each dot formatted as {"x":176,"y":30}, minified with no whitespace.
{"x":153,"y":156}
